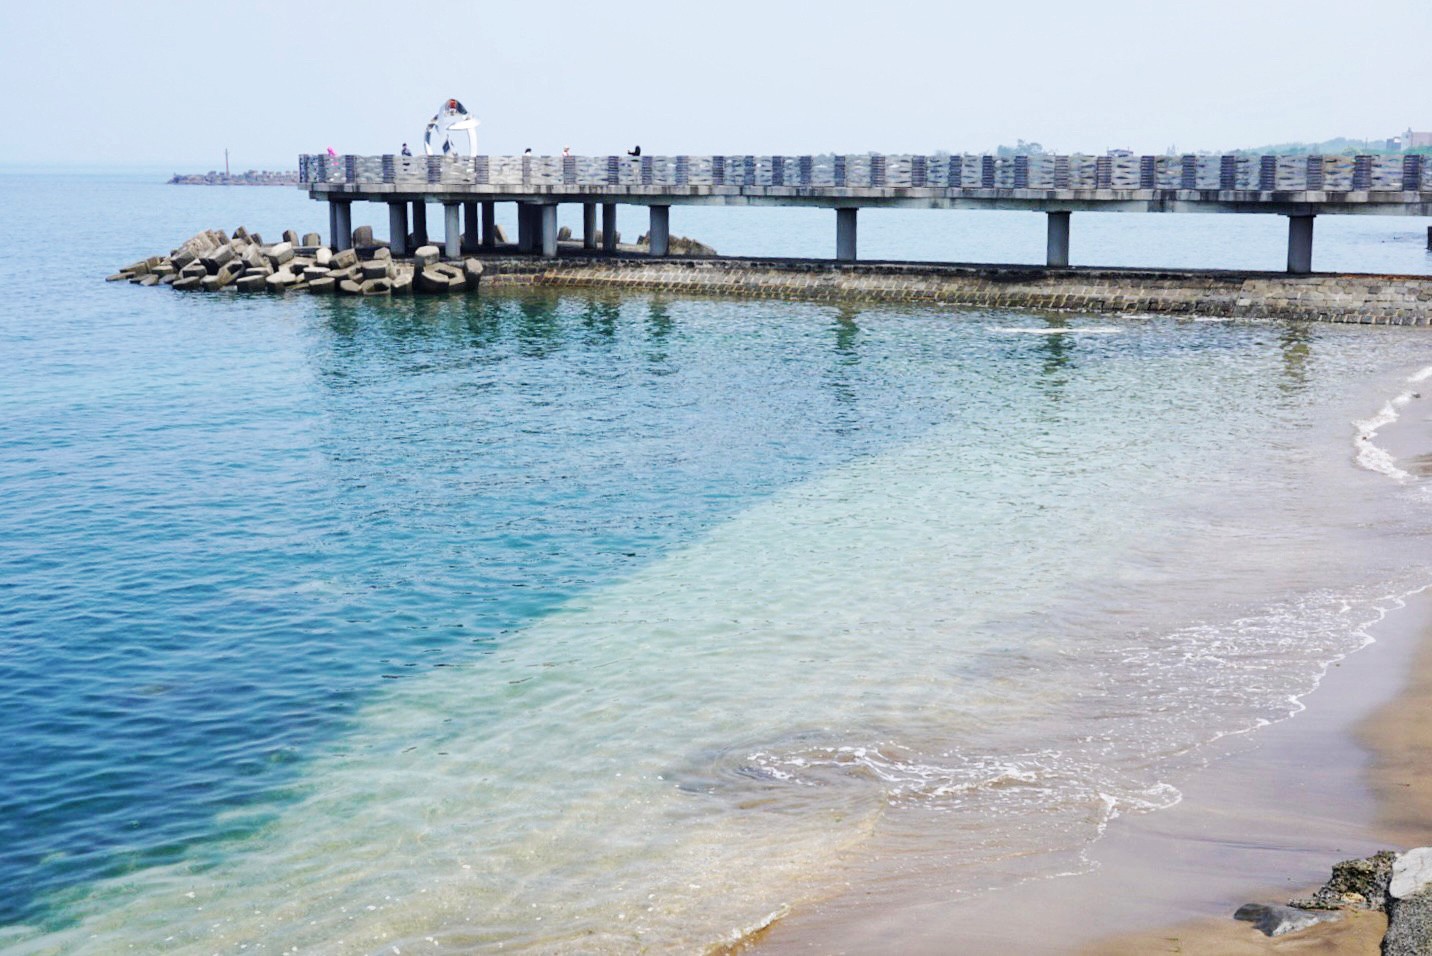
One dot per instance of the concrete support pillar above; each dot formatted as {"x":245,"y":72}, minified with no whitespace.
{"x":1057,"y":249}
{"x":343,"y":227}
{"x":660,"y":235}
{"x":420,"y":223}
{"x":1300,"y":244}
{"x":525,"y":239}
{"x":609,"y":227}
{"x":398,"y":228}
{"x":845,"y":234}
{"x":589,"y":225}
{"x":333,"y":225}
{"x":452,"y":230}
{"x":548,"y":221}
{"x":489,"y":225}
{"x":471,"y":238}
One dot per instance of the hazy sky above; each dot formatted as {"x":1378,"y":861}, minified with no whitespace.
{"x":174,"y":84}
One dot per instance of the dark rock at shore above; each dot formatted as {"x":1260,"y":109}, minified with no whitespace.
{"x":1273,"y":920}
{"x":1361,"y":884}
{"x":1409,"y":926}
{"x":1409,"y":905}
{"x":676,"y":245}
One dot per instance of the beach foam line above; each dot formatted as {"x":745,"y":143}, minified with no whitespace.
{"x":1372,"y":456}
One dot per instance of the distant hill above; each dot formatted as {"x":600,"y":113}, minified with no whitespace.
{"x":1338,"y":146}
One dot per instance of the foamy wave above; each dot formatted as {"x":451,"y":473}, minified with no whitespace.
{"x":951,"y":780}
{"x":1369,"y":454}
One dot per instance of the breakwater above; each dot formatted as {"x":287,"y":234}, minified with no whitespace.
{"x":212,"y":261}
{"x":1367,"y":299}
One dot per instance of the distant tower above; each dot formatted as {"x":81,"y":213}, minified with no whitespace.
{"x":226,"y":162}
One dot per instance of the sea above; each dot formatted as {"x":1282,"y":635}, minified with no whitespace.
{"x":589,"y":623}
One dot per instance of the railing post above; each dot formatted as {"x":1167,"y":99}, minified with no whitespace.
{"x":1412,"y":173}
{"x":1267,"y":173}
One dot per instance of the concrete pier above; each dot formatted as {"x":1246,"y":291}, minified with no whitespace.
{"x":1300,"y":244}
{"x":525,"y":227}
{"x":489,"y":225}
{"x":340,"y":221}
{"x":1056,"y":254}
{"x":1299,"y":187}
{"x":589,"y":225}
{"x":398,"y":228}
{"x":845,"y":233}
{"x":452,"y":230}
{"x":548,"y":220}
{"x":609,"y":227}
{"x":420,"y":223}
{"x":659,"y":238}
{"x":471,"y":238}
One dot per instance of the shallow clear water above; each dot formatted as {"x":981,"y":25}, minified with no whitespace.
{"x":584,"y":624}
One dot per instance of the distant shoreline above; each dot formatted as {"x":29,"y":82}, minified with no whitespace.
{"x":251,"y":177}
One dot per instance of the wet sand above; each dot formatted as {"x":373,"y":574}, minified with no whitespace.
{"x":1265,"y":821}
{"x":1398,"y":736}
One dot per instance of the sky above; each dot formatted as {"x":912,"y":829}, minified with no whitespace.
{"x":159,"y":84}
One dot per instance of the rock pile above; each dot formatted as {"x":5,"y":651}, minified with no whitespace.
{"x":211,"y":261}
{"x":678,"y":245}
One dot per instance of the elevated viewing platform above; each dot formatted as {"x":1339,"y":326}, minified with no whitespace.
{"x":1299,"y":187}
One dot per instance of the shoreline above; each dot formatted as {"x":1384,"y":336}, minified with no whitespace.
{"x":1397,"y":739}
{"x":1264,"y":821}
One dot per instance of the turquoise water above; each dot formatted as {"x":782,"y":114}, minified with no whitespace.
{"x":576,"y":623}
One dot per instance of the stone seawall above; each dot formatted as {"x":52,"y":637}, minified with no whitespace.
{"x":1327,"y":297}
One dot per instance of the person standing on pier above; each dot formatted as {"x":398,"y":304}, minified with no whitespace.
{"x":406,"y":151}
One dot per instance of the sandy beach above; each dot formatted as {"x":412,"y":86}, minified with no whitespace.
{"x":1398,"y":736}
{"x":1265,"y":822}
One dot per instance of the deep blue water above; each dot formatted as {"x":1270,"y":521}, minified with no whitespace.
{"x":227,"y":525}
{"x":221,"y":528}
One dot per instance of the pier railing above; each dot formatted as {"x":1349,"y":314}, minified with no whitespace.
{"x":1333,"y":174}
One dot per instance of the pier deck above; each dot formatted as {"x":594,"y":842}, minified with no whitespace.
{"x":1298,"y":187}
